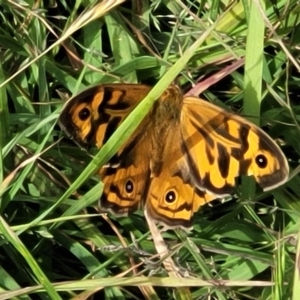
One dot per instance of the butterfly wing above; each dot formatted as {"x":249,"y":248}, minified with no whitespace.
{"x":90,"y":118}
{"x":172,"y":198}
{"x":93,"y":115}
{"x":125,"y":184}
{"x":206,"y":153}
{"x":219,"y":146}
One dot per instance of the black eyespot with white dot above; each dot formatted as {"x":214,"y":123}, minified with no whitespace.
{"x":170,"y":197}
{"x":129,"y":186}
{"x":84,"y":114}
{"x":261,"y":161}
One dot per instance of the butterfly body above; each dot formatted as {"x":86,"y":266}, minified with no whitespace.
{"x":185,"y":153}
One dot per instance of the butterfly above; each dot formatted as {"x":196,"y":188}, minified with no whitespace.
{"x":186,"y":152}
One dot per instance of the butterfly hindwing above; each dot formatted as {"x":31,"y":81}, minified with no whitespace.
{"x":172,"y":197}
{"x":124,"y":186}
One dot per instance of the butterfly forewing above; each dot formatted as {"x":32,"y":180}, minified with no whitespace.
{"x":92,"y":116}
{"x":220,"y":146}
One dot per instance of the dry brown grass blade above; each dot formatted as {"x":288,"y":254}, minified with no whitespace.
{"x":162,"y":250}
{"x":88,"y":16}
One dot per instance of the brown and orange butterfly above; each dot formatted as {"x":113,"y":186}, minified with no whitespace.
{"x":185,"y":153}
